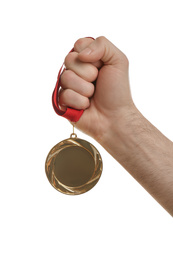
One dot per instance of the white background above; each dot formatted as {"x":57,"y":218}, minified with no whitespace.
{"x":117,"y":219}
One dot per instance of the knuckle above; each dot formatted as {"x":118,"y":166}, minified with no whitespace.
{"x":66,"y":77}
{"x":85,"y":103}
{"x":82,"y":43}
{"x":90,"y":90}
{"x":67,"y":95}
{"x":64,"y":97}
{"x":78,"y":43}
{"x":69,"y":59}
{"x":125,"y":60}
{"x":102,"y":39}
{"x":92,"y":74}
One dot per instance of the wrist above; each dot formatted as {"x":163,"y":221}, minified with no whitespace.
{"x":120,"y":134}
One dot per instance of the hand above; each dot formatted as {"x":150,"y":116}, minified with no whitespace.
{"x":96,"y":60}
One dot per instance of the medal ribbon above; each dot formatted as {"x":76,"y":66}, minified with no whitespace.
{"x":71,"y":114}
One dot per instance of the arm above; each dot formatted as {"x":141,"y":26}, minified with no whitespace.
{"x":145,"y":153}
{"x":111,"y":117}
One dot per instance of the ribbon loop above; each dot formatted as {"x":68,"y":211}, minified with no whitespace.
{"x":71,"y":114}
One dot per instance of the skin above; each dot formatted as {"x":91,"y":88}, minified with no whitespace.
{"x":111,"y":117}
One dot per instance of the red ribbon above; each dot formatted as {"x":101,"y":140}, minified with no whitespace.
{"x":71,"y":114}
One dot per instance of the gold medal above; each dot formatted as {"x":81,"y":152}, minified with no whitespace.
{"x":73,"y":166}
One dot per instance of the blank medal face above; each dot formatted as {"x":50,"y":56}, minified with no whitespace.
{"x":73,"y":166}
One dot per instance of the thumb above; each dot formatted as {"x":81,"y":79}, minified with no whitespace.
{"x":102,"y":49}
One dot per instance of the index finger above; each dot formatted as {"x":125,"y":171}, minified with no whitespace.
{"x":83,"y":43}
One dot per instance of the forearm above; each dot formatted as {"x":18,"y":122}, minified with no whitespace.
{"x":145,"y":153}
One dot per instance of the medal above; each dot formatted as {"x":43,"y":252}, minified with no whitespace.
{"x":73,"y":166}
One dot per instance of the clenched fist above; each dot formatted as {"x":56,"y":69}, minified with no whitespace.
{"x":96,"y":80}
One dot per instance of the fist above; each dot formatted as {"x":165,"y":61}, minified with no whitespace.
{"x":95,"y":80}
{"x":77,"y":80}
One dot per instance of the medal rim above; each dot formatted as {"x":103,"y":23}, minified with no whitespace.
{"x":65,"y":189}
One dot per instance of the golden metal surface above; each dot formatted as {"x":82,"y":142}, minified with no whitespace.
{"x":73,"y":166}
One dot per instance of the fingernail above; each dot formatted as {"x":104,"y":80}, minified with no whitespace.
{"x":86,"y":51}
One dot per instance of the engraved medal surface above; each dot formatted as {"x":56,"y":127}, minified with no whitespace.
{"x":73,"y":166}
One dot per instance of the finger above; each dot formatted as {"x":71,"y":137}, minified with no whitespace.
{"x":70,"y":98}
{"x":86,"y":71}
{"x":83,"y":43}
{"x":69,"y":80}
{"x":103,"y":49}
